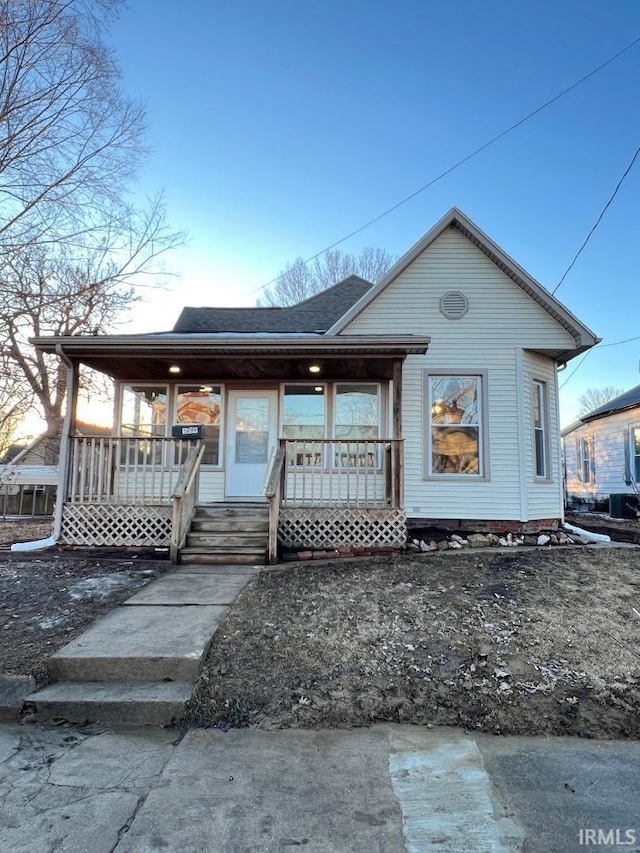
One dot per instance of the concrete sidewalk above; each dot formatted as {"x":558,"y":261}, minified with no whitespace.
{"x":386,"y":789}
{"x":138,"y":664}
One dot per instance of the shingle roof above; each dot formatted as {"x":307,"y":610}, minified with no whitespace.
{"x":628,"y":400}
{"x":316,"y":314}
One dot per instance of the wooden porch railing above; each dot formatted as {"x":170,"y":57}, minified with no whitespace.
{"x":184,"y":500}
{"x":125,"y":470}
{"x":273,"y":492}
{"x":362,"y":473}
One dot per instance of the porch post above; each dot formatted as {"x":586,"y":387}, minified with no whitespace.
{"x":397,"y":432}
{"x":65,"y":441}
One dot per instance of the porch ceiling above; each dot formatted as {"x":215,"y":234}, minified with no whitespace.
{"x":278,"y":359}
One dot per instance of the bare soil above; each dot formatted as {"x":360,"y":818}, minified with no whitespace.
{"x":519,"y":641}
{"x":48,"y":597}
{"x":525,"y":641}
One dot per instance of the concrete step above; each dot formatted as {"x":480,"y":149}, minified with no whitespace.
{"x":154,"y":704}
{"x":205,"y":539}
{"x":205,"y":556}
{"x":140,"y":643}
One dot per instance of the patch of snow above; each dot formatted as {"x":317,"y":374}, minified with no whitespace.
{"x":102,"y":587}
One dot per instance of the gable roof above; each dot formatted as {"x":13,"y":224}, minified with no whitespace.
{"x":312,"y":316}
{"x":628,"y":400}
{"x":584,"y":338}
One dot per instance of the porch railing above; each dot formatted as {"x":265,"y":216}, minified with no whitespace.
{"x":361,"y":473}
{"x":125,"y":470}
{"x":184,"y":500}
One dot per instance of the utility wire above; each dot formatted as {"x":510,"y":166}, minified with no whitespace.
{"x":463,"y":161}
{"x":598,"y":220}
{"x":577,"y":367}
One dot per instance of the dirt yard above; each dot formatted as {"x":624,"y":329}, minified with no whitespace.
{"x":519,"y":641}
{"x":49,"y":597}
{"x":535,"y":641}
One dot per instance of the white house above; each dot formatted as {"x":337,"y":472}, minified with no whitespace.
{"x":602,"y":452}
{"x":429,"y":397}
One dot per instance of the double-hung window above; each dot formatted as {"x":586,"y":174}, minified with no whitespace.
{"x":143,"y":416}
{"x":455,"y":433}
{"x":586,"y":460}
{"x":303,"y":419}
{"x":635,"y":453}
{"x":540,"y":429}
{"x":201,"y":404}
{"x":357,"y":423}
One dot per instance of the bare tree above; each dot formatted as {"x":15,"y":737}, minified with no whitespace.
{"x":593,"y":398}
{"x":73,"y":249}
{"x":300,"y":280}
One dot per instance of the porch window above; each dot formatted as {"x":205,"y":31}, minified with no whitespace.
{"x":143,"y":412}
{"x":303,"y":419}
{"x":201,"y":404}
{"x":454,"y":418}
{"x":357,"y":418}
{"x":540,"y":430}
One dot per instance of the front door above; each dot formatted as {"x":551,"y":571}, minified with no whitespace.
{"x":251,"y":439}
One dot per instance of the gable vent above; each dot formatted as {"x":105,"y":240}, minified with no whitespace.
{"x":454,"y":305}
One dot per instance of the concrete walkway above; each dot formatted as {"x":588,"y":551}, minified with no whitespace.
{"x":139,"y":663}
{"x":387,"y":789}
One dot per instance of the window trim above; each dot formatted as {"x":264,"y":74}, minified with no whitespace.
{"x":483,"y":426}
{"x":546,"y":432}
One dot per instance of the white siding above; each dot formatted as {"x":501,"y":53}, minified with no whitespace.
{"x":501,"y":321}
{"x":609,"y":436}
{"x":211,"y":486}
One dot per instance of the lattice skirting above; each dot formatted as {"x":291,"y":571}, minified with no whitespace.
{"x":116,"y":524}
{"x":341,"y":528}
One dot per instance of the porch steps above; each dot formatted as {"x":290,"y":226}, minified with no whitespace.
{"x":139,"y":663}
{"x":231,"y":533}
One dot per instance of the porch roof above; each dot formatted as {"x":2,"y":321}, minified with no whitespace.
{"x":236,"y":357}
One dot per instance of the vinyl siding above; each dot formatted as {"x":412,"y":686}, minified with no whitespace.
{"x":501,"y":322}
{"x":609,"y":435}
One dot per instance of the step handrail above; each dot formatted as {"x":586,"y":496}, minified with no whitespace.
{"x":183,"y":498}
{"x":273,"y":493}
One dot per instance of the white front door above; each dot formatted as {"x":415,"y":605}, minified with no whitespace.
{"x":251,"y":439}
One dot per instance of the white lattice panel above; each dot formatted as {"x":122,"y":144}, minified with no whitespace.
{"x":116,"y":525}
{"x":341,"y":528}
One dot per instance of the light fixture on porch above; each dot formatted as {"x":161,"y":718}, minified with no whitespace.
{"x":174,"y":368}
{"x":314,"y":368}
{"x":318,"y":389}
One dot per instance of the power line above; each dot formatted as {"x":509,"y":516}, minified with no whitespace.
{"x":598,"y":220}
{"x":463,"y":161}
{"x":577,"y":367}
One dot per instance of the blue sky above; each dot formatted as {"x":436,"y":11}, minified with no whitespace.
{"x":277,"y":128}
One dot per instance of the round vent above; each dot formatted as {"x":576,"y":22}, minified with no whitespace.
{"x":454,"y":305}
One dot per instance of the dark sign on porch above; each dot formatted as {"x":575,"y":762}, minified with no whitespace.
{"x":187,"y":431}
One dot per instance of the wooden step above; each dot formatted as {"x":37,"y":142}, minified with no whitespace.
{"x":214,"y":525}
{"x":190,"y":556}
{"x":221,"y":539}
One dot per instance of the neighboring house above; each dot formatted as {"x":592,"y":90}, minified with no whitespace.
{"x":430,"y":397}
{"x":602,"y":451}
{"x":28,"y":480}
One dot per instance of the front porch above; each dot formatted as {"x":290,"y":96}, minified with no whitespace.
{"x":327,"y":493}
